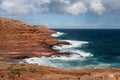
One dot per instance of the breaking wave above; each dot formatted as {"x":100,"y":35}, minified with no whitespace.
{"x":71,"y":48}
{"x":57,"y":34}
{"x":64,"y":61}
{"x":68,"y":64}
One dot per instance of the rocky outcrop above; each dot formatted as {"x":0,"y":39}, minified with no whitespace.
{"x":12,"y":71}
{"x":19,"y":40}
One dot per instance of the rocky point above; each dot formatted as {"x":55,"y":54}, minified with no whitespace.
{"x":19,"y":40}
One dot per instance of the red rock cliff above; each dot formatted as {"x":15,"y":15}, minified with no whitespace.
{"x":19,"y":40}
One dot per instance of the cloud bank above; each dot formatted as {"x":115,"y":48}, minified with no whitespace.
{"x":97,"y":7}
{"x":72,"y":7}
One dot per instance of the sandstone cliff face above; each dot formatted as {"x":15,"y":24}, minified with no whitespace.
{"x":19,"y":40}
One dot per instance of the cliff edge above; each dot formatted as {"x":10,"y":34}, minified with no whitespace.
{"x":19,"y":40}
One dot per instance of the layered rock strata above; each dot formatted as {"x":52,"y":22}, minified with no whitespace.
{"x":19,"y":40}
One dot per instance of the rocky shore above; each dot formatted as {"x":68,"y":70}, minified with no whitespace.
{"x":19,"y":40}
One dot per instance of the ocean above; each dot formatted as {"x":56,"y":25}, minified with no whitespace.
{"x":90,"y":48}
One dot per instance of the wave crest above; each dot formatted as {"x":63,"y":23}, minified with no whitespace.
{"x":73,"y":44}
{"x":75,"y":53}
{"x":57,"y":34}
{"x":75,"y":59}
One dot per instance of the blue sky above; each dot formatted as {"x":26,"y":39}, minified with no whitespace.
{"x":64,"y":13}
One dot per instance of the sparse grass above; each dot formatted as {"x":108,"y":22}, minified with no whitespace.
{"x":17,"y":71}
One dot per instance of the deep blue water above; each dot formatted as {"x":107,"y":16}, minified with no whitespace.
{"x":104,"y":44}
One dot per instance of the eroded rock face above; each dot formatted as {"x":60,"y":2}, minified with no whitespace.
{"x":19,"y":40}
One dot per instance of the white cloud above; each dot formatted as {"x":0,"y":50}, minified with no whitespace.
{"x":33,"y":6}
{"x":17,"y":7}
{"x":112,"y":4}
{"x":74,"y":7}
{"x":77,"y":8}
{"x":97,"y":7}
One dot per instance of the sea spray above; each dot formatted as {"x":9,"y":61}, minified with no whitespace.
{"x":57,"y":34}
{"x":103,"y":45}
{"x":73,"y":43}
{"x":70,"y":48}
{"x":63,"y":61}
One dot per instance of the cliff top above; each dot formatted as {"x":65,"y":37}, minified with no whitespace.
{"x":19,"y":40}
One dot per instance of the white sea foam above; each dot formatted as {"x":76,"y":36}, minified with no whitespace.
{"x":70,"y":57}
{"x":82,"y":53}
{"x":98,"y":65}
{"x":73,"y":44}
{"x":64,"y":61}
{"x":57,"y":34}
{"x":67,"y":64}
{"x":70,"y":48}
{"x":45,"y":62}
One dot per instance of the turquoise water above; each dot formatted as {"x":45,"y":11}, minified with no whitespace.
{"x":90,"y":48}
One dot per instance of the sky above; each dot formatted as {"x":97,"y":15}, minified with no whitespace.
{"x":98,"y":14}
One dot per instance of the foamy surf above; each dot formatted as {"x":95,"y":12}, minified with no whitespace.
{"x":53,"y":62}
{"x":71,"y":48}
{"x":63,"y":61}
{"x":73,"y":44}
{"x":68,"y":64}
{"x":57,"y":34}
{"x":80,"y":56}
